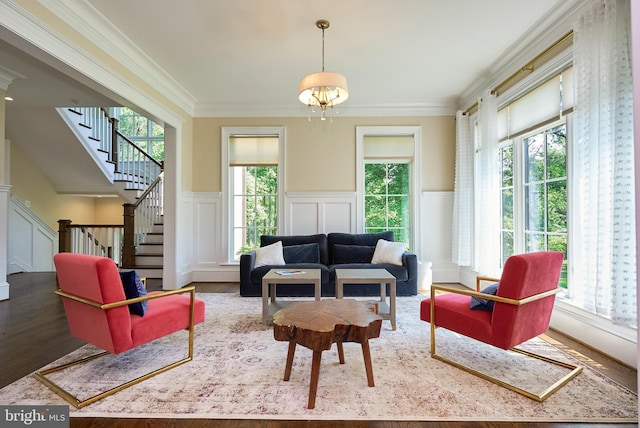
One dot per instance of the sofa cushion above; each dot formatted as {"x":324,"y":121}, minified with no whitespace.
{"x":320,"y":239}
{"x":303,"y":253}
{"x":270,"y":255}
{"x":352,"y":254}
{"x":366,"y":239}
{"x":388,"y":252}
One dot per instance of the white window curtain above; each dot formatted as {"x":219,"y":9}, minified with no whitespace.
{"x":463,"y":193}
{"x":604,"y":258}
{"x":487,"y":199}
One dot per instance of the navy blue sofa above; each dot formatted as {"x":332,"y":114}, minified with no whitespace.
{"x":328,"y":253}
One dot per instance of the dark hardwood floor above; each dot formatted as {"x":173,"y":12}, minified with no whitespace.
{"x":33,"y":332}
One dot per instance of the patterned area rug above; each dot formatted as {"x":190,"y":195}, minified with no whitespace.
{"x":238,"y":368}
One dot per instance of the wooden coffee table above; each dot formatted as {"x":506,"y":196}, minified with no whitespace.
{"x":371,"y":276}
{"x":272,"y":278}
{"x":318,"y":324}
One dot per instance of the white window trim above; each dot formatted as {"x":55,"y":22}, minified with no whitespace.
{"x":415,"y":168}
{"x":226,"y":181}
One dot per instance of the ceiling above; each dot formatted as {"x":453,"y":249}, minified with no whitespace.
{"x":246,"y":58}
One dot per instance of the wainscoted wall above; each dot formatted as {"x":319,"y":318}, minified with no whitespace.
{"x":435,"y":240}
{"x":32,"y":243}
{"x":308,"y":213}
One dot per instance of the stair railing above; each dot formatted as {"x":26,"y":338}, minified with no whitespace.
{"x":97,"y":120}
{"x":103,"y":240}
{"x":133,"y":164}
{"x":141,"y":171}
{"x":139,"y":219}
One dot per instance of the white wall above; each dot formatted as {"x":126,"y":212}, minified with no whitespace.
{"x":308,"y":213}
{"x":32,"y":243}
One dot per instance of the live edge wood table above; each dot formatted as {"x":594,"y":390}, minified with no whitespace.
{"x":269,"y":303}
{"x":318,"y":324}
{"x":371,"y":276}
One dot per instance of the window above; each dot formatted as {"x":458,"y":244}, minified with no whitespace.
{"x":533,"y":169}
{"x":255,"y":205}
{"x":388,"y":167}
{"x":146,"y":134}
{"x":252,"y":158}
{"x":507,"y":232}
{"x":533,"y":154}
{"x":387,"y":199}
{"x":545,"y":189}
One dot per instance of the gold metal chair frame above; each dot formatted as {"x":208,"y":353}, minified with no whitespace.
{"x":73,"y":400}
{"x":575,"y":370}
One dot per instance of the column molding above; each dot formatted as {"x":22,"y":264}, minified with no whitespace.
{"x":4,"y":226}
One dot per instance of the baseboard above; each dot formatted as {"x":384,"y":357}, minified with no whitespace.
{"x":4,"y":291}
{"x":445,"y":272}
{"x":216,"y":275}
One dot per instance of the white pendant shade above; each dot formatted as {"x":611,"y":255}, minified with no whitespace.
{"x":323,"y":89}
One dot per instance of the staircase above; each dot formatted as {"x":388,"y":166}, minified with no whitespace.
{"x":137,"y":177}
{"x":149,"y":253}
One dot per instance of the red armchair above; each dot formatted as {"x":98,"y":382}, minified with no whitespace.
{"x":97,"y":312}
{"x":522,"y":309}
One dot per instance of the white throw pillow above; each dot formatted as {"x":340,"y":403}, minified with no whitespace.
{"x":388,"y":252}
{"x":269,"y":255}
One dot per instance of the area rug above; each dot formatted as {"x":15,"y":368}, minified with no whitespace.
{"x":238,"y":368}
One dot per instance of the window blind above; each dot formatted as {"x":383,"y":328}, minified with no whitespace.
{"x":252,"y":150}
{"x":388,"y":147}
{"x":542,"y":104}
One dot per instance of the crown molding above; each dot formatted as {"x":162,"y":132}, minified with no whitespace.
{"x":435,"y":108}
{"x":550,"y":28}
{"x":30,"y":29}
{"x":87,"y":20}
{"x":7,"y":76}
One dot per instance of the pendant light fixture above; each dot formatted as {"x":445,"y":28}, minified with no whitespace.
{"x":325,"y":88}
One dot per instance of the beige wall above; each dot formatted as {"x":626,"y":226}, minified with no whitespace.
{"x":28,"y":183}
{"x":186,"y":155}
{"x":108,"y":210}
{"x":98,"y":55}
{"x":321,"y":156}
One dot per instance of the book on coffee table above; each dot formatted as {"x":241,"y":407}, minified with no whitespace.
{"x":289,"y":272}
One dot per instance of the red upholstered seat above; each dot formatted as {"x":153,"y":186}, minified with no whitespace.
{"x":115,"y":330}
{"x":522,"y":310}
{"x":97,"y":312}
{"x":508,"y":325}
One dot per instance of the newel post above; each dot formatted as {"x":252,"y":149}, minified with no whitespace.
{"x":129,"y":248}
{"x":64,"y":236}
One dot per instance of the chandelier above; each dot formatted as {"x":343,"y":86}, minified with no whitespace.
{"x":323,"y":89}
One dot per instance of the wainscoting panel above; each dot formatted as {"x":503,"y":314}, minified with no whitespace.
{"x":339,"y":216}
{"x":304,"y":219}
{"x":308,"y":213}
{"x":32,"y":243}
{"x":186,"y":238}
{"x":206,"y":227}
{"x":311,"y":213}
{"x":435,"y":239}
